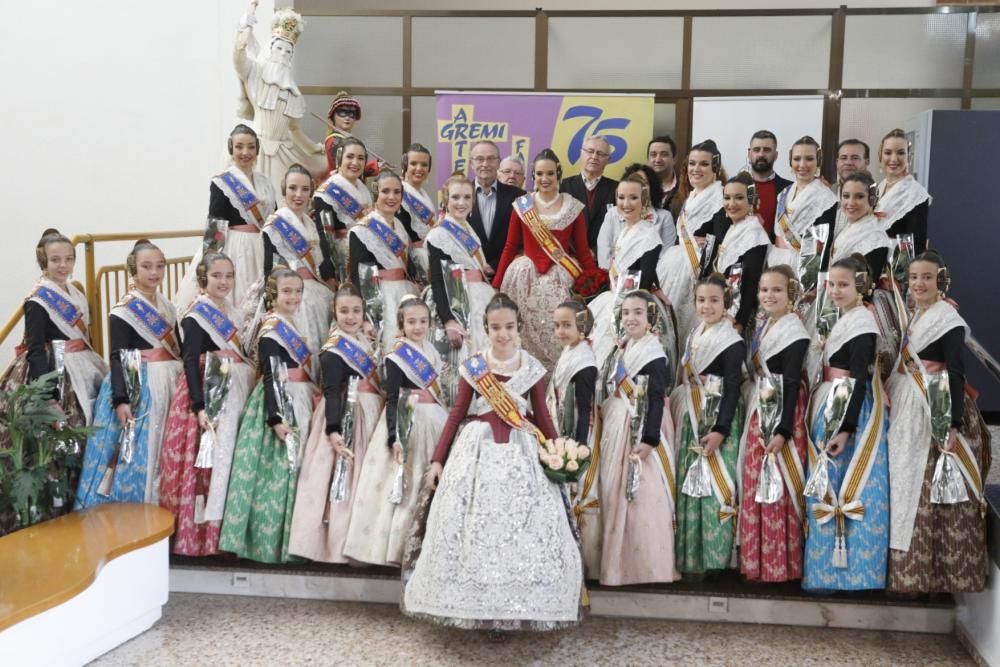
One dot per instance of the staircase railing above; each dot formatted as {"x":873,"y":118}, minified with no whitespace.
{"x":112,"y":278}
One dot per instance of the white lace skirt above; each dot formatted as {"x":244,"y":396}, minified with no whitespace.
{"x":498,"y":549}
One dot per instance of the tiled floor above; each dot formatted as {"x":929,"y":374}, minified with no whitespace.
{"x":221,"y":630}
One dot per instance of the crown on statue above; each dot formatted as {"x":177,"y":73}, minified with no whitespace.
{"x":287,"y":24}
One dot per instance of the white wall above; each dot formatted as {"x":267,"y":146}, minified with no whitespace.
{"x":115,"y":116}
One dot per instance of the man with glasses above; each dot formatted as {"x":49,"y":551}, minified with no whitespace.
{"x":512,"y":172}
{"x":345,"y":111}
{"x":591,"y":187}
{"x":494,"y":203}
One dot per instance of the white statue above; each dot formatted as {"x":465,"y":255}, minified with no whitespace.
{"x":270,"y":98}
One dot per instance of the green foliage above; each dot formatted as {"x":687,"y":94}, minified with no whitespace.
{"x":39,"y":454}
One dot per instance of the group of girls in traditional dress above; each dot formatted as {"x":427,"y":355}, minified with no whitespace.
{"x":731,"y":394}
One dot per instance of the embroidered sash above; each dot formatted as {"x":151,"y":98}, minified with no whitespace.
{"x":417,"y":367}
{"x":468,"y":241}
{"x":689,"y":245}
{"x":58,"y":305}
{"x":339,"y":196}
{"x":387,"y":236}
{"x":248,"y":200}
{"x":543,"y":235}
{"x":276,"y":328}
{"x":417,"y":208}
{"x":154,"y":323}
{"x":355,"y":356}
{"x":219,"y":325}
{"x":497,"y":395}
{"x":295,"y":241}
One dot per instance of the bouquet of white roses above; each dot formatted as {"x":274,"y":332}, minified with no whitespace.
{"x":564,"y":460}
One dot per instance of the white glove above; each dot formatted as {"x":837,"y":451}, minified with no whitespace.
{"x":248,"y":21}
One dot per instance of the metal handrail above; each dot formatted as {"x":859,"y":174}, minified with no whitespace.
{"x":91,"y":273}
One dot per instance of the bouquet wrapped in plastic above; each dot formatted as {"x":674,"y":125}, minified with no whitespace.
{"x":770,"y":486}
{"x":834,"y":410}
{"x":947,"y":484}
{"x":405,"y":408}
{"x":279,"y":380}
{"x":132,"y":371}
{"x":218,"y":378}
{"x":698,"y":480}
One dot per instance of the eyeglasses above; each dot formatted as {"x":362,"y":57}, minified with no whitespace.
{"x":508,"y":172}
{"x":480,"y":159}
{"x":594,"y":151}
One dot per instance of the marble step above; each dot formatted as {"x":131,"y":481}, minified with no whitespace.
{"x":724,"y":599}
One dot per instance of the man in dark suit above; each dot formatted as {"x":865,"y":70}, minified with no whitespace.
{"x":493,"y":202}
{"x":591,"y":187}
{"x":761,"y":155}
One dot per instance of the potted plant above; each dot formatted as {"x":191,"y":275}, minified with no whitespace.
{"x":40,"y":455}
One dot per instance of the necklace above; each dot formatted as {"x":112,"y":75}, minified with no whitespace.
{"x":502,"y":367}
{"x":550,"y":202}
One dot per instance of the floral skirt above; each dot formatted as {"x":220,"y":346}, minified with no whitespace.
{"x":196,"y":496}
{"x":136,"y":481}
{"x":704,"y":540}
{"x":771,"y":538}
{"x":261,"y":493}
{"x":537,"y":296}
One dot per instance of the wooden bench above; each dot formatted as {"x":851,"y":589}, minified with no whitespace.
{"x":73,"y":588}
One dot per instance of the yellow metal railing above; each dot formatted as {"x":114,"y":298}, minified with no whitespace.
{"x":99,"y":300}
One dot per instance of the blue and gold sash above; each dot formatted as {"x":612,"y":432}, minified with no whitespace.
{"x":468,"y":241}
{"x":421,"y":367}
{"x":219,"y":322}
{"x":289,"y":339}
{"x":350,"y":205}
{"x":61,"y":306}
{"x":387,"y":235}
{"x":414,"y":204}
{"x":245,"y":196}
{"x":154,"y":323}
{"x":355,"y":356}
{"x":296,"y":242}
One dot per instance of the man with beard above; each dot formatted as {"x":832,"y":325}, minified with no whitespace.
{"x":761,"y":155}
{"x":270,"y":98}
{"x":661,"y":153}
{"x":591,"y":187}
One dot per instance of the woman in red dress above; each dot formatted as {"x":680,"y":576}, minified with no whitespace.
{"x":548,"y":227}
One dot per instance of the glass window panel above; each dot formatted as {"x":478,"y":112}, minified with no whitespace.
{"x":986,"y":71}
{"x":380,"y":127}
{"x":423,"y":130}
{"x":590,"y":53}
{"x":870,"y":119}
{"x":774,"y":52}
{"x":664,"y":120}
{"x":337,"y":51}
{"x":474,"y":52}
{"x":909,"y":51}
